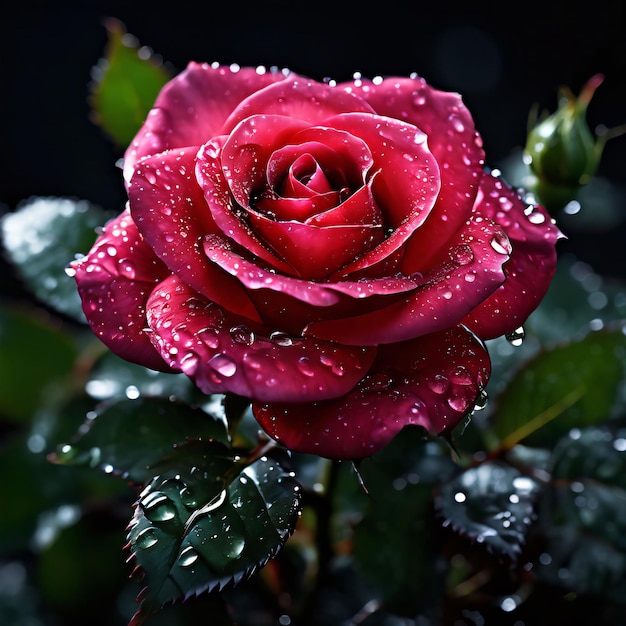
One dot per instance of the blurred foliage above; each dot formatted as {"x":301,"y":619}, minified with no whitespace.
{"x":519,"y":518}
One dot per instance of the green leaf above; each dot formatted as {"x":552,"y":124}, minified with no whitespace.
{"x":395,"y":542}
{"x":36,"y":359}
{"x":491,"y":504}
{"x":583,"y":524}
{"x":596,"y":453}
{"x":129,"y":437}
{"x":41,"y":238}
{"x":571,"y":385}
{"x":127,"y":81}
{"x":208,"y":520}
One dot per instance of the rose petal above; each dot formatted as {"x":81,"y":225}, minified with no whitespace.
{"x":346,"y":159}
{"x":470,"y":272}
{"x":407,"y":183}
{"x":305,"y":177}
{"x":224,"y":209}
{"x":223,"y":353}
{"x":359,"y":208}
{"x":452,"y":138}
{"x":301,"y":209}
{"x":171,"y":213}
{"x":114,"y":281}
{"x":192,"y":108}
{"x":253,"y":276}
{"x":433,"y":382}
{"x":248,"y":148}
{"x":298,"y":98}
{"x":315,"y":252}
{"x":531,"y":267}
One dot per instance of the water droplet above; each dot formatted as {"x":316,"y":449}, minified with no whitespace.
{"x":460,"y":497}
{"x":281,"y":338}
{"x":516,"y":337}
{"x":158,"y":507}
{"x":70,"y":271}
{"x":209,"y":336}
{"x":537,"y":217}
{"x":188,"y":557}
{"x":461,"y":376}
{"x":458,"y":403}
{"x":223,"y":365}
{"x":189,"y":363}
{"x":146,"y":538}
{"x":439,"y":383}
{"x":127,"y":268}
{"x":462,"y":254}
{"x":501,"y":244}
{"x":243,"y":335}
{"x":305,"y":366}
{"x":187,"y":498}
{"x":235,"y":547}
{"x":481,"y":401}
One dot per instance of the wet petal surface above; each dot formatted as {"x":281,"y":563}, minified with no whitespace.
{"x":114,"y":281}
{"x":432,"y":381}
{"x":192,"y":108}
{"x":222,"y":352}
{"x":469,"y":271}
{"x":532,"y":264}
{"x":171,"y":213}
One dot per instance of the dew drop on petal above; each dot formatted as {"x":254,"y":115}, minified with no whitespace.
{"x":223,"y":365}
{"x":458,"y":403}
{"x":281,"y":338}
{"x":501,"y":244}
{"x":189,"y":363}
{"x":516,"y":337}
{"x":462,"y":254}
{"x":305,"y":366}
{"x":243,"y":335}
{"x":127,"y":268}
{"x":439,"y":383}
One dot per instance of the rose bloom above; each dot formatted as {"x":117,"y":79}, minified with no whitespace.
{"x":336,"y":253}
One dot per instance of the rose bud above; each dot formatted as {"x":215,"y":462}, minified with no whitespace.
{"x":561,"y":151}
{"x":336,"y":253}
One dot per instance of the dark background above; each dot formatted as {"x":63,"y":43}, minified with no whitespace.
{"x":502,"y":60}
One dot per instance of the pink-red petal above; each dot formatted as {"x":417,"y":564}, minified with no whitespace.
{"x":530,"y":269}
{"x":315,"y":252}
{"x":114,"y":281}
{"x":298,"y":98}
{"x":433,"y":382}
{"x":255,"y":277}
{"x":193,"y":107}
{"x":222,"y":352}
{"x":226,"y":213}
{"x":170,"y":211}
{"x":407,"y":183}
{"x":468,"y":272}
{"x":452,"y":138}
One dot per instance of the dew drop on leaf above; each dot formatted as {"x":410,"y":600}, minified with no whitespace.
{"x":147,"y":538}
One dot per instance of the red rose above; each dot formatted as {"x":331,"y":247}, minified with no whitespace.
{"x":335,"y":253}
